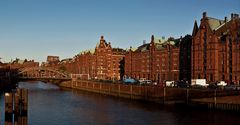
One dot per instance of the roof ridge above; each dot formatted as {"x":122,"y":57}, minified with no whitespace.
{"x":215,"y":18}
{"x":222,"y":25}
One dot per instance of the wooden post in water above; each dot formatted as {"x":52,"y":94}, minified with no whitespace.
{"x":71,"y":80}
{"x":119,"y":90}
{"x":145,"y":92}
{"x":8,"y":108}
{"x":187,"y":95}
{"x":23,"y":106}
{"x":164,"y":95}
{"x":131,"y":92}
{"x":100,"y":88}
{"x":16,"y":105}
{"x":215,"y":98}
{"x":109,"y":88}
{"x":87,"y":86}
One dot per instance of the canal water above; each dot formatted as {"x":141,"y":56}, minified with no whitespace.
{"x":51,"y":105}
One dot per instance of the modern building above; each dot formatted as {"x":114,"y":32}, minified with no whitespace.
{"x":216,"y":49}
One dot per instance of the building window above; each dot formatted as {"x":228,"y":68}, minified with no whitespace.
{"x":163,"y":76}
{"x":223,"y":77}
{"x":211,"y":77}
{"x":175,"y":76}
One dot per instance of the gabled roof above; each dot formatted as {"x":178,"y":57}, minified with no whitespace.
{"x":159,"y":43}
{"x":103,"y":42}
{"x":118,"y":50}
{"x":195,"y":28}
{"x":143,"y":48}
{"x":214,"y":23}
{"x":66,"y":60}
{"x":222,"y":27}
{"x":91,"y":51}
{"x":132,"y":49}
{"x":159,"y":40}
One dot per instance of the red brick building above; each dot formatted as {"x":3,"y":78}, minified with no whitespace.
{"x":216,"y":49}
{"x":16,"y":64}
{"x":68,"y":65}
{"x":86,"y":64}
{"x":52,"y":61}
{"x":101,"y":63}
{"x":156,"y":61}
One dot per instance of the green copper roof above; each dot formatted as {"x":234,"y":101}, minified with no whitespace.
{"x":214,"y":23}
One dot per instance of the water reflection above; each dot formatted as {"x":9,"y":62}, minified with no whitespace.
{"x":37,"y":86}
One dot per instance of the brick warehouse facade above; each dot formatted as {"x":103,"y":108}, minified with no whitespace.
{"x":157,"y":61}
{"x":212,"y":52}
{"x":101,"y":63}
{"x":216,"y":49}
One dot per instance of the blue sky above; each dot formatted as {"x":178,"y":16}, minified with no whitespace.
{"x":33,"y":29}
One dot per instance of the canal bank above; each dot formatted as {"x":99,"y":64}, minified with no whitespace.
{"x":49,"y":104}
{"x":230,"y":103}
{"x":149,"y":93}
{"x":186,"y":96}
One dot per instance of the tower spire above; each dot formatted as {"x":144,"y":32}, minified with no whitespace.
{"x":195,"y":28}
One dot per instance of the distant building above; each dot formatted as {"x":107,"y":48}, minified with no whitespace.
{"x":52,"y":61}
{"x":18,"y":63}
{"x":68,"y":65}
{"x":1,"y":64}
{"x":216,"y":49}
{"x":86,"y":64}
{"x":157,"y":61}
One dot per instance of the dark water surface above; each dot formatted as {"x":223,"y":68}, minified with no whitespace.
{"x":50,"y":105}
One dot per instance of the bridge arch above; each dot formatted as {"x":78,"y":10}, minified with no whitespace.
{"x":42,"y":72}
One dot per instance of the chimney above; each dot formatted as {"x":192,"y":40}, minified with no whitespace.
{"x":232,"y":16}
{"x":225,"y":19}
{"x":102,"y":37}
{"x":152,"y":38}
{"x":204,"y":14}
{"x":236,"y":15}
